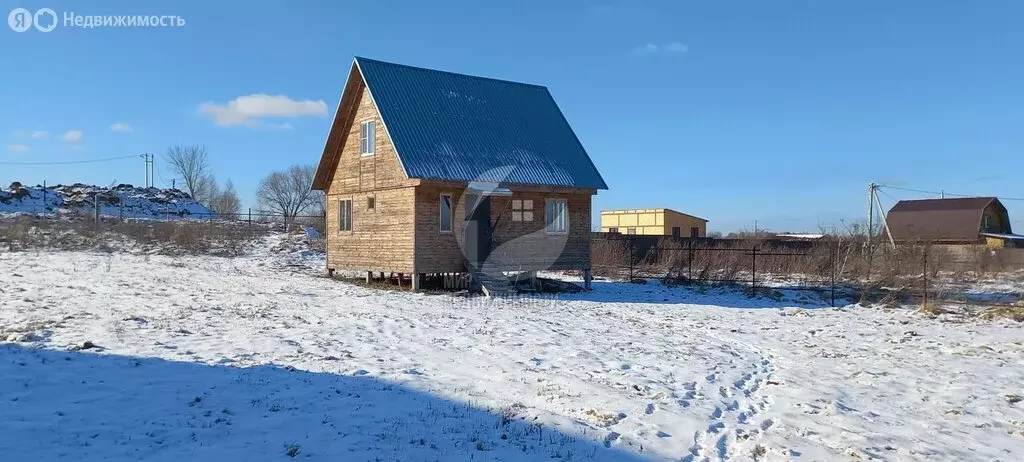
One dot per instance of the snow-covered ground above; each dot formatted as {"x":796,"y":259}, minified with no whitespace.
{"x":123,"y":200}
{"x":261,"y":358}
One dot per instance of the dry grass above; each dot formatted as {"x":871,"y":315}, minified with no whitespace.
{"x":221,"y":238}
{"x":1015,"y":313}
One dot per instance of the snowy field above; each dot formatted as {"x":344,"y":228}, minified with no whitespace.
{"x":262,"y":358}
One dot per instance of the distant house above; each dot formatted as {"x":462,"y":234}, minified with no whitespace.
{"x":960,"y":221}
{"x":653,"y":222}
{"x":428,"y":173}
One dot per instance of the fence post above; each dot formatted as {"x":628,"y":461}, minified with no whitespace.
{"x":44,"y":197}
{"x":689,"y":260}
{"x":835,"y":261}
{"x":924,"y":303}
{"x":753,"y":269}
{"x":629,"y":242}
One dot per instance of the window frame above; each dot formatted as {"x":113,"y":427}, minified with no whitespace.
{"x":547,"y":215}
{"x":367,"y":141}
{"x":371,"y":203}
{"x":521,"y":211}
{"x":631,"y":231}
{"x":613,"y":230}
{"x":440,"y":213}
{"x":342,"y":209}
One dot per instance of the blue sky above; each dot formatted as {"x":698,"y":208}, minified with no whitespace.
{"x":780,"y":112}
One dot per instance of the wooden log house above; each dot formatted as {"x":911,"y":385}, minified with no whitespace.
{"x":430,"y":173}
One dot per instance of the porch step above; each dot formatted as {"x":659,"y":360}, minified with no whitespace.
{"x":493,"y":282}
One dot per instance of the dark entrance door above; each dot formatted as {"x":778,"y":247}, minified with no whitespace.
{"x":478,"y":229}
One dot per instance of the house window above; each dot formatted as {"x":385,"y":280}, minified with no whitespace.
{"x":675,"y":231}
{"x":613,"y":230}
{"x":987,"y":223}
{"x":694,"y":231}
{"x":446,"y":213}
{"x":371,"y":203}
{"x":522,"y":210}
{"x":630,"y":230}
{"x":345,"y":215}
{"x":556,"y":216}
{"x":367,"y":142}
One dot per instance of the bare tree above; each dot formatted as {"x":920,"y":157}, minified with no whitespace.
{"x":191,"y":164}
{"x":226,"y":200}
{"x":288,"y":192}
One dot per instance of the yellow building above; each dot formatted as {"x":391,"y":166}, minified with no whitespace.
{"x":653,"y":222}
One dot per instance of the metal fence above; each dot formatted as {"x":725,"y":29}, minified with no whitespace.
{"x":752,"y":264}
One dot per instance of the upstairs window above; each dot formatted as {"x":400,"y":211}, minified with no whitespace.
{"x":371,"y":203}
{"x":345,"y":215}
{"x":556,"y":216}
{"x":630,"y":230}
{"x":367,"y":141}
{"x":446,"y":213}
{"x":522,"y":210}
{"x":613,"y":230}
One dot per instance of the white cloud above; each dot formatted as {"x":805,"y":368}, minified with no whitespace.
{"x":40,"y":135}
{"x":250,"y":110}
{"x":17,"y":148}
{"x":648,"y":49}
{"x":72,"y":136}
{"x":651,"y":49}
{"x":676,"y":47}
{"x":120,"y":127}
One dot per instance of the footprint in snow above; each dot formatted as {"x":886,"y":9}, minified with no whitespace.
{"x":651,"y":408}
{"x":610,"y":439}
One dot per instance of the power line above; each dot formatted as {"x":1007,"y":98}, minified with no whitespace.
{"x":68,"y":162}
{"x":943,"y":193}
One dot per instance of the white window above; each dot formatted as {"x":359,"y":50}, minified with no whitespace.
{"x":987,"y":223}
{"x":367,"y":142}
{"x":556,"y":216}
{"x":522,"y":210}
{"x":446,"y":213}
{"x":345,"y":215}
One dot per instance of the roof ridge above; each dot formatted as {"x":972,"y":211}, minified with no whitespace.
{"x":361,"y":58}
{"x":947,"y":198}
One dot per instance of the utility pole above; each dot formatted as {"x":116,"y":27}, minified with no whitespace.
{"x":145,"y":158}
{"x":871,"y":223}
{"x":755,"y":229}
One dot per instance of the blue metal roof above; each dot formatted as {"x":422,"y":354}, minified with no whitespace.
{"x":456,"y":127}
